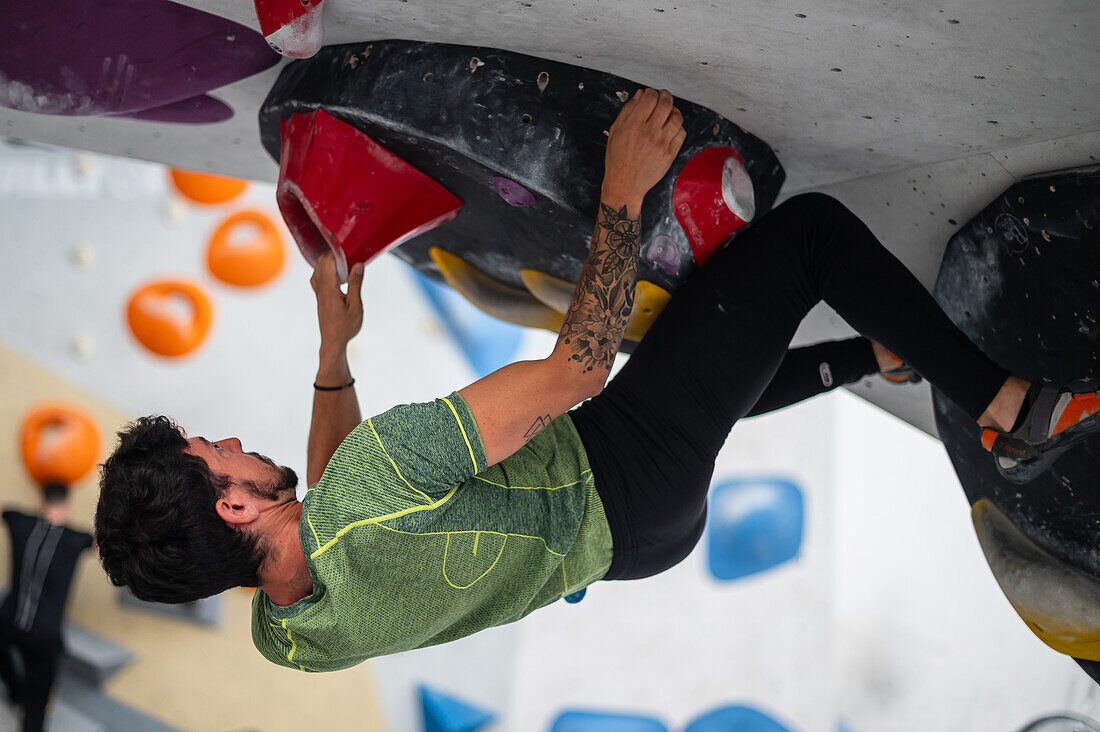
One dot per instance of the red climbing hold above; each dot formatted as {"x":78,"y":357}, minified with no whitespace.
{"x":340,"y":189}
{"x":713,"y":198}
{"x":294,"y":28}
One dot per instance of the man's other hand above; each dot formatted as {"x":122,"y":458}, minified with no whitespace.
{"x":339,"y":316}
{"x":641,"y":145}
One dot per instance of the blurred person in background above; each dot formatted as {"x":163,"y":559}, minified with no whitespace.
{"x":44,"y":553}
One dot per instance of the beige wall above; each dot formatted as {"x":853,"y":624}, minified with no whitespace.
{"x":194,"y":677}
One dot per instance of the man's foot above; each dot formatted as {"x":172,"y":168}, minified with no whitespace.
{"x":902,"y":374}
{"x":1051,"y":421}
{"x":892,"y":368}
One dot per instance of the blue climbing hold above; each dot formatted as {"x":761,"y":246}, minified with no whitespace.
{"x":443,"y":713}
{"x":576,"y":596}
{"x":575,"y":721}
{"x":487,"y":343}
{"x":753,"y":525}
{"x":735,"y":718}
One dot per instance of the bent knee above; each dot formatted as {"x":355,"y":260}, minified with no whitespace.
{"x":815,"y":202}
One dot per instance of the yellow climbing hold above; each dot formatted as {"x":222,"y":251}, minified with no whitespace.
{"x":494,"y":297}
{"x":556,"y":293}
{"x":1060,"y":603}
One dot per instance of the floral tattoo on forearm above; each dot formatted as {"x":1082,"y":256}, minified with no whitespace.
{"x":597,"y":317}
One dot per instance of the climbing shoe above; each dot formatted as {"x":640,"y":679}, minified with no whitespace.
{"x":903,"y":373}
{"x":1052,"y":420}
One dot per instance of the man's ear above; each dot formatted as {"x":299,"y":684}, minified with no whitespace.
{"x":236,"y":507}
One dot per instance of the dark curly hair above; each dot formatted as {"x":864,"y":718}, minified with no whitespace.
{"x":156,"y":526}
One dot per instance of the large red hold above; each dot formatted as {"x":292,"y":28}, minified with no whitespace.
{"x":713,"y":198}
{"x":340,"y":190}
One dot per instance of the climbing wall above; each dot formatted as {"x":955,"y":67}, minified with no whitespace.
{"x":1020,"y":279}
{"x":520,"y":142}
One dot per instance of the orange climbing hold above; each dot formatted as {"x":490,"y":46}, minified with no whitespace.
{"x":170,"y":317}
{"x":246,"y":250}
{"x":207,"y":188}
{"x":60,"y":443}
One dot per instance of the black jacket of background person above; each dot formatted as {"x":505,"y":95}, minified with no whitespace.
{"x":43,"y":560}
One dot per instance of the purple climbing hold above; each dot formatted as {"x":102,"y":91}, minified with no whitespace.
{"x":147,"y":59}
{"x":663,"y":252}
{"x":202,"y":109}
{"x":512,"y":192}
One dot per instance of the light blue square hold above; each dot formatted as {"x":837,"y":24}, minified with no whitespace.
{"x":753,"y":525}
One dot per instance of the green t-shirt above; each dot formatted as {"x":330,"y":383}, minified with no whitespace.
{"x":411,"y":540}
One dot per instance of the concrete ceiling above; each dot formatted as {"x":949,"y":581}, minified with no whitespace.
{"x":914,"y":114}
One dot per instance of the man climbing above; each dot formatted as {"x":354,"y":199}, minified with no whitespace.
{"x":43,"y":559}
{"x":433,"y":521}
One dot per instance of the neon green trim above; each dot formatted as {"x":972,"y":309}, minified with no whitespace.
{"x":293,"y":646}
{"x":315,"y":537}
{"x":468,"y":445}
{"x":415,"y":509}
{"x":532,"y":487}
{"x":370,"y":422}
{"x":490,"y":569}
{"x":470,"y":531}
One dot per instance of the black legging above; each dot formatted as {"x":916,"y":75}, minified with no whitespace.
{"x":653,"y":433}
{"x":816,"y":369}
{"x":28,"y":666}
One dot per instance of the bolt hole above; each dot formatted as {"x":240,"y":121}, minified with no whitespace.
{"x":525,"y":119}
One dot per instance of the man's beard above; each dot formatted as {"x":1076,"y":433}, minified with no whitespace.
{"x":284,"y":482}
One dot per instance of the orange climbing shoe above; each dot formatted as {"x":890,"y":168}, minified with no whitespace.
{"x":903,"y":373}
{"x":1054,"y":420}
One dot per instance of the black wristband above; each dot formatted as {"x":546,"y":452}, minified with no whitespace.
{"x":333,"y":388}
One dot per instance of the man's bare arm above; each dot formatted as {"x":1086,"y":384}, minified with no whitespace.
{"x":513,"y":404}
{"x":339,"y":316}
{"x":335,"y":413}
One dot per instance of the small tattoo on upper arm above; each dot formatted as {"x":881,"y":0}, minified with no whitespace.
{"x":536,"y":427}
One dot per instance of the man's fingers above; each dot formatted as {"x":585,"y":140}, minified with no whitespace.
{"x":675,"y":121}
{"x":355,"y":285}
{"x":661,"y":108}
{"x":645,"y":104}
{"x":626,"y":112}
{"x":324,"y":273}
{"x":677,"y":142}
{"x":673,"y":125}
